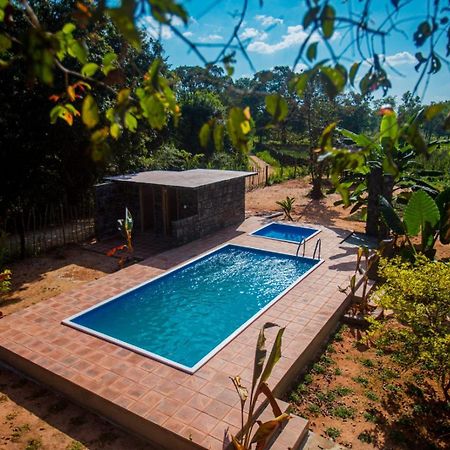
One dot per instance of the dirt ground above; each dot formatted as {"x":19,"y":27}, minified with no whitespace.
{"x":363,"y":399}
{"x":33,"y":418}
{"x":322,"y":212}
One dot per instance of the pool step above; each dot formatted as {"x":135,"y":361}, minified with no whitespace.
{"x":293,"y":432}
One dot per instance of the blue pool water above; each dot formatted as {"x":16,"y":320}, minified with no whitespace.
{"x":185,"y":314}
{"x":283,"y":232}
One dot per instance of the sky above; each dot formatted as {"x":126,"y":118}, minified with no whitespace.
{"x":272,"y":34}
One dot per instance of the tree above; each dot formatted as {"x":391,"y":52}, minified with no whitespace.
{"x":197,"y":108}
{"x":52,"y":161}
{"x":317,"y":110}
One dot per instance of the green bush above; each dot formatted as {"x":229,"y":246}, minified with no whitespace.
{"x":333,"y":432}
{"x":418,"y":294}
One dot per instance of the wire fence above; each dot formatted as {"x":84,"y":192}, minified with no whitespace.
{"x":33,"y":231}
{"x":259,"y":179}
{"x":36,"y":230}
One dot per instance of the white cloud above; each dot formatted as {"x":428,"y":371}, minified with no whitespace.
{"x":401,"y":58}
{"x":300,"y":67}
{"x":211,"y":37}
{"x":155,"y":29}
{"x":188,"y":34}
{"x":253,"y":33}
{"x":267,"y":21}
{"x":295,"y":36}
{"x":397,"y":59}
{"x":176,"y":21}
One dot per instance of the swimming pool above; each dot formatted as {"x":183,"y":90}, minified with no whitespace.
{"x":286,"y":232}
{"x":186,"y":315}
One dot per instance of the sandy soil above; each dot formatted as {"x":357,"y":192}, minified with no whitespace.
{"x":261,"y":201}
{"x":43,"y":277}
{"x":33,"y":418}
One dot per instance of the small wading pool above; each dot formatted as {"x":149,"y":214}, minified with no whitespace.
{"x":185,"y":316}
{"x":286,"y":232}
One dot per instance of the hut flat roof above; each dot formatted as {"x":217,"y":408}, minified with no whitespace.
{"x":185,"y":179}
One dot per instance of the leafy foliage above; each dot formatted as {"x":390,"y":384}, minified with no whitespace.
{"x":287,"y":205}
{"x":418,"y":295}
{"x":5,"y":280}
{"x":125,"y":226}
{"x":423,"y":216}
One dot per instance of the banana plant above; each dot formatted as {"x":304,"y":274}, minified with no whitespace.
{"x":125,"y":226}
{"x":423,"y":215}
{"x":387,"y":165}
{"x":286,"y":206}
{"x":259,"y":386}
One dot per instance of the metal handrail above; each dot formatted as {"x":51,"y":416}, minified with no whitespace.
{"x":303,"y":241}
{"x":317,"y":248}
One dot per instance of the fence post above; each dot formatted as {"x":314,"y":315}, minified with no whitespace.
{"x":267,"y":174}
{"x":62,"y":223}
{"x":22,"y":235}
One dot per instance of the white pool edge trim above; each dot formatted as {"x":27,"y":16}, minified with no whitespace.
{"x":215,"y":350}
{"x":253,"y":233}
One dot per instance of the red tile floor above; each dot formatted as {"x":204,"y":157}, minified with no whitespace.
{"x":171,"y":408}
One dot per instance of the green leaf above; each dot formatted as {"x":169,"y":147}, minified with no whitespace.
{"x":130,"y":121}
{"x":277,"y":107}
{"x":109,"y":58}
{"x":311,"y":53}
{"x":359,"y":139}
{"x":325,"y":138}
{"x":310,"y":16}
{"x":433,"y":110}
{"x":89,"y":112}
{"x":204,"y":134}
{"x":77,"y":50}
{"x":335,"y":78}
{"x":123,"y":18}
{"x":218,"y":135}
{"x":353,"y":71}
{"x":390,"y":217}
{"x":115,"y":130}
{"x":328,"y":16}
{"x":89,"y":69}
{"x":154,"y":111}
{"x":5,"y":43}
{"x":300,"y":83}
{"x":443,"y":204}
{"x":421,"y":213}
{"x":69,"y":28}
{"x":239,"y":126}
{"x":389,"y":127}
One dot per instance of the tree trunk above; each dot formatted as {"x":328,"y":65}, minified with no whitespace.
{"x":377,"y":184}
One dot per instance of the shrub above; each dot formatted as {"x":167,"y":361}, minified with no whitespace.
{"x":5,"y":280}
{"x":343,"y":412}
{"x":372,"y":396}
{"x":419,"y":295}
{"x":333,"y":432}
{"x":361,"y":380}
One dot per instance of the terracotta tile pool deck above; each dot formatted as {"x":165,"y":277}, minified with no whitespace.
{"x":171,"y":408}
